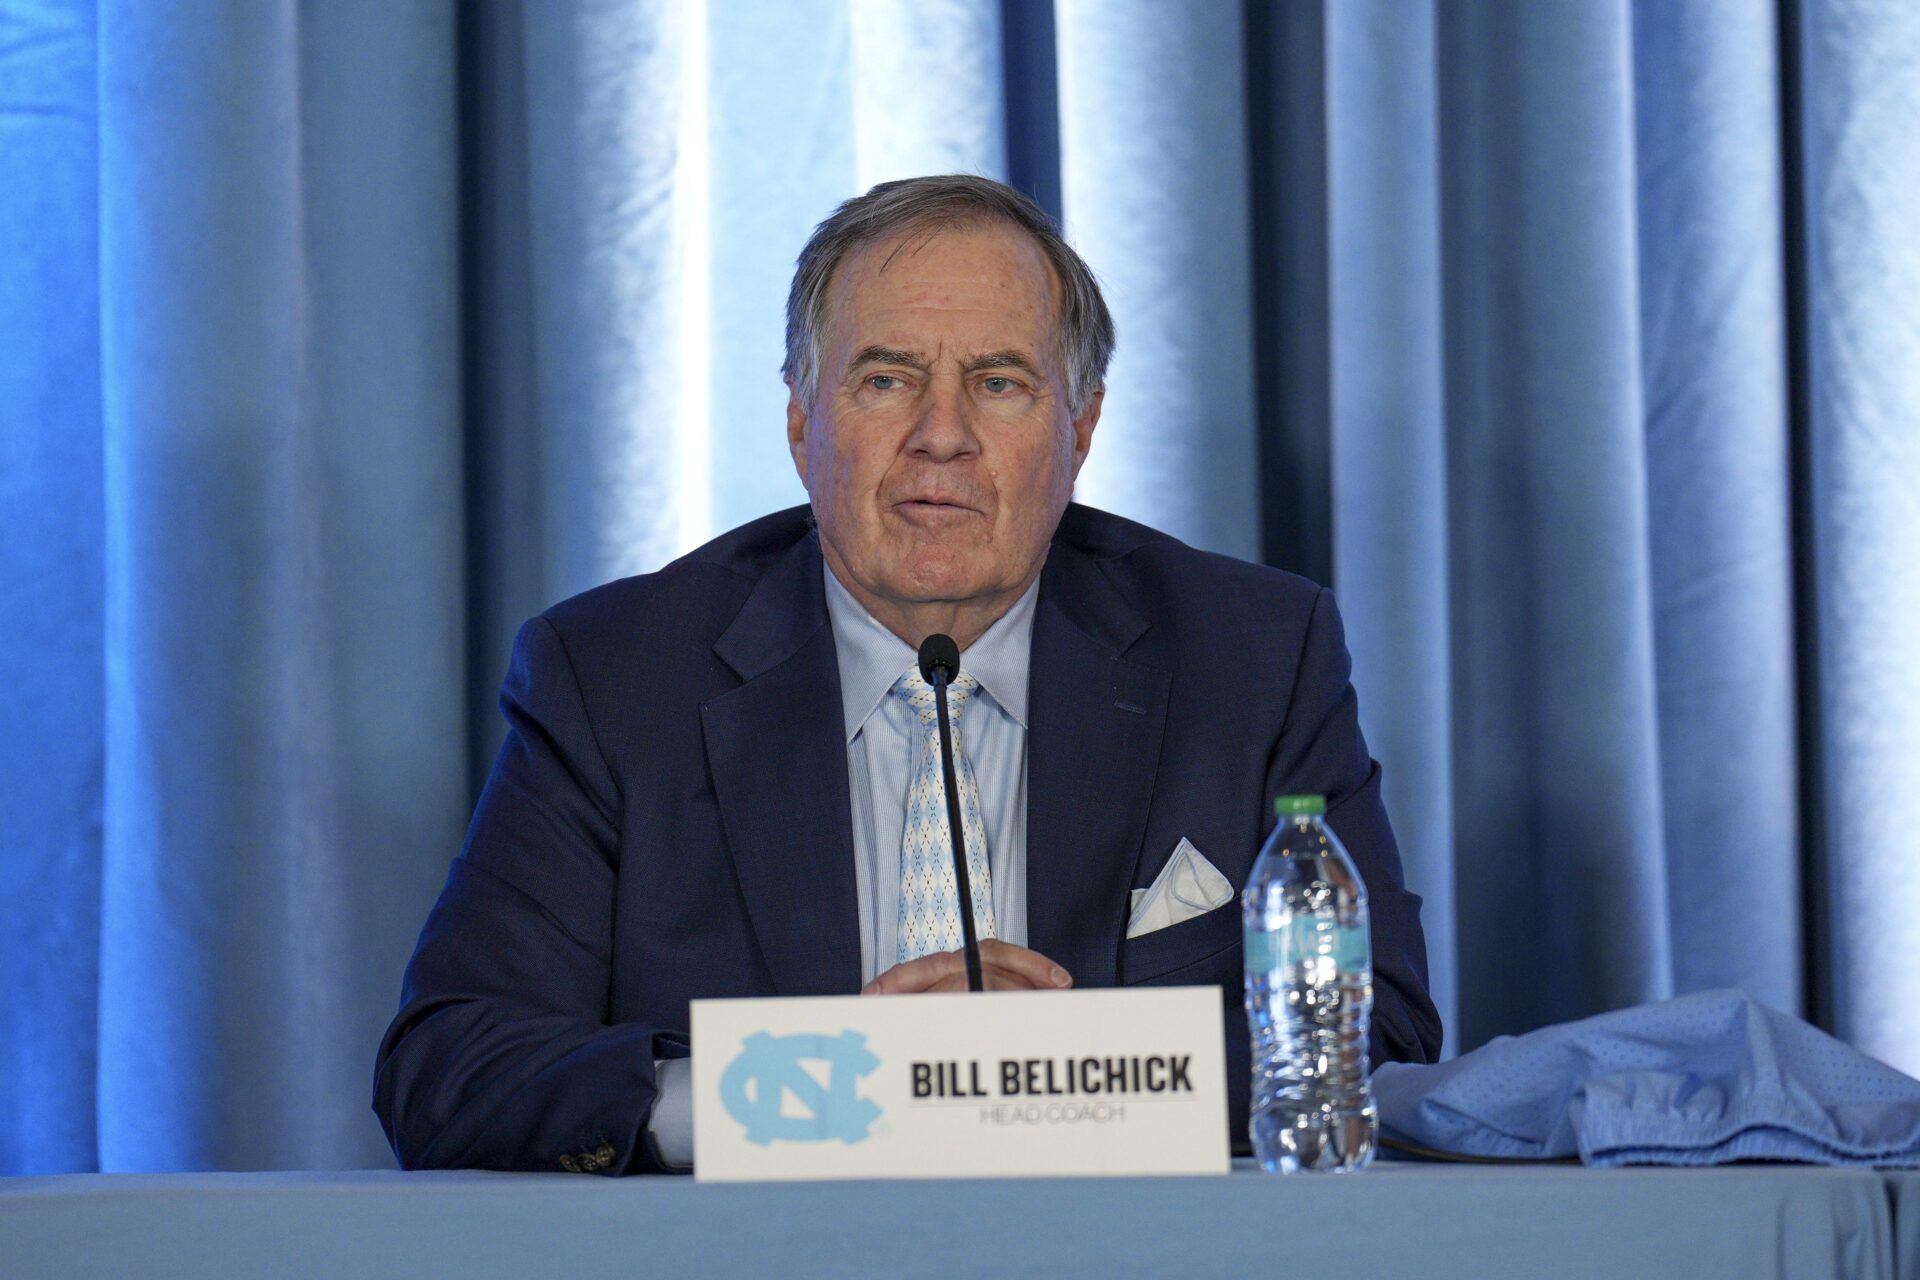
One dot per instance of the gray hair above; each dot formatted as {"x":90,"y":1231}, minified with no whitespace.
{"x":1085,"y":326}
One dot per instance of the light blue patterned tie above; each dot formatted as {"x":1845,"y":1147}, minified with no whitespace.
{"x":929,"y":902}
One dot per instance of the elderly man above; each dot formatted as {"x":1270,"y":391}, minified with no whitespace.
{"x":711,"y":770}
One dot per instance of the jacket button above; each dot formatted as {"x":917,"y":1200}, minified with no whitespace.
{"x":604,"y":1153}
{"x":569,"y":1164}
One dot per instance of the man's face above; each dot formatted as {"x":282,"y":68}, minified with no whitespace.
{"x":939,"y":452}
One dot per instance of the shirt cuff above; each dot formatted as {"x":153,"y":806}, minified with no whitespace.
{"x":670,"y":1127}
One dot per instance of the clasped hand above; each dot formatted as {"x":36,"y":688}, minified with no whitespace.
{"x":1003,"y":967}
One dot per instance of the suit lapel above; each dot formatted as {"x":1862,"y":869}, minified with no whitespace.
{"x":777,"y":749}
{"x":1095,"y":722}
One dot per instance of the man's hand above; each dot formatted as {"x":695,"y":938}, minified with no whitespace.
{"x":1003,"y":967}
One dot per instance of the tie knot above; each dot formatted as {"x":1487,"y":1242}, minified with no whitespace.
{"x":918,"y":694}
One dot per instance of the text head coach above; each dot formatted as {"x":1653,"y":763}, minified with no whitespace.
{"x":717,"y":779}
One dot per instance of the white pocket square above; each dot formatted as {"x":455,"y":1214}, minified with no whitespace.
{"x":1186,"y":887}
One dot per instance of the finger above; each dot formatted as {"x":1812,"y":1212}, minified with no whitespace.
{"x":1034,"y":967}
{"x":992,"y":978}
{"x":997,"y":979}
{"x":917,"y":975}
{"x":1004,"y":967}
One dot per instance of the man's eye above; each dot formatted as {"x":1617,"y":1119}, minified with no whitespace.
{"x":998,"y":386}
{"x":883,"y":382}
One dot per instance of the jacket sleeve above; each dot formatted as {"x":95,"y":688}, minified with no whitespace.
{"x":501,"y":1056}
{"x":1321,"y":752}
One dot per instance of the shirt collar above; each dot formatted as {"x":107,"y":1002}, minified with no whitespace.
{"x":872,"y":657}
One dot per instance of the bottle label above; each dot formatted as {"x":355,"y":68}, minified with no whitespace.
{"x":1307,"y":938}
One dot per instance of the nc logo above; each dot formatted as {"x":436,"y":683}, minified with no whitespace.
{"x":768,"y":1070}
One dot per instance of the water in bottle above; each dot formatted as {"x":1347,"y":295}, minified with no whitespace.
{"x":1309,"y":996}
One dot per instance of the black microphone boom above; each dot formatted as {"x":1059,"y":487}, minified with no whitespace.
{"x":939,"y":664}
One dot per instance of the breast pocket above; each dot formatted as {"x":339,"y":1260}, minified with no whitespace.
{"x":1203,"y":950}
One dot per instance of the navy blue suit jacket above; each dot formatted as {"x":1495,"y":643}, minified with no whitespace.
{"x":669,"y":819}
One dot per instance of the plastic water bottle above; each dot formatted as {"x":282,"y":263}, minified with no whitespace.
{"x":1309,"y":996}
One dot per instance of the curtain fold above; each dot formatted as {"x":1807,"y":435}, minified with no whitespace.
{"x":51,"y":603}
{"x":1154,"y":189}
{"x":283,"y":564}
{"x":603,"y":85}
{"x":1556,"y":747}
{"x":1572,"y":344}
{"x":1386,"y":385}
{"x":780,"y":154}
{"x":1713,"y":351}
{"x":1861,"y":119}
{"x":928,"y":89}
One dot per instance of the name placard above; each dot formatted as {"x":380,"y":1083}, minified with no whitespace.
{"x":1030,"y":1083}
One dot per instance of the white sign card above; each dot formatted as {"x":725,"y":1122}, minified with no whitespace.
{"x":1028,"y":1083}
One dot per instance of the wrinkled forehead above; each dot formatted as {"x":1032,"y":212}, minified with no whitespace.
{"x":980,"y":273}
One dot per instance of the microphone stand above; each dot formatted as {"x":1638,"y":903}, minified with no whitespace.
{"x":938,"y":668}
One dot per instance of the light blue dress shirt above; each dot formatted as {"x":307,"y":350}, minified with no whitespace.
{"x":884,"y":743}
{"x":883,"y":753}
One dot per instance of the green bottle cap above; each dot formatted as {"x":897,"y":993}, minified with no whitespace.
{"x":1294,"y":806}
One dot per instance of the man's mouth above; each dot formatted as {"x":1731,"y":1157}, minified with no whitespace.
{"x":933,"y":509}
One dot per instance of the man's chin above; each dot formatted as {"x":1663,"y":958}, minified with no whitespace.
{"x":925,"y":571}
{"x":942,"y":591}
{"x":941,"y":578}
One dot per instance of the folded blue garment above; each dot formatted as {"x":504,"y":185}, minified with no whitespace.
{"x":1703,"y":1079}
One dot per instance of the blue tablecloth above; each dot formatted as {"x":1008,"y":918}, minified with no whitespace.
{"x":1904,"y":1188}
{"x":1416,"y":1221}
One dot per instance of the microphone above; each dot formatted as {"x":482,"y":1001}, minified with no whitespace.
{"x":939,"y":664}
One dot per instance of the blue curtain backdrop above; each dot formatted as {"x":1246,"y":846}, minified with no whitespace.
{"x":1572,"y":342}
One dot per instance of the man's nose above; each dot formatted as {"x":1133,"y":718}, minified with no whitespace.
{"x":943,"y":429}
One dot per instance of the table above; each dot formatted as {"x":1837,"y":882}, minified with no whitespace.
{"x":1904,"y":1189}
{"x":1428,"y":1221}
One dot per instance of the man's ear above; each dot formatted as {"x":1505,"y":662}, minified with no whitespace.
{"x":1083,"y":429}
{"x":797,"y":422}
